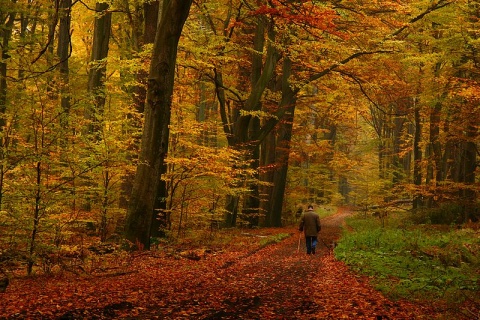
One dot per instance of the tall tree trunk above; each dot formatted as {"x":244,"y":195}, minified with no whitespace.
{"x":407,"y":161}
{"x":160,"y":219}
{"x":267,"y":165}
{"x":417,"y":155}
{"x":399,"y":171}
{"x":282,"y":152}
{"x":36,"y":219}
{"x":435,"y":162}
{"x":251,"y":204}
{"x":149,"y":17}
{"x":63,"y":52}
{"x":151,"y":12}
{"x":96,"y":76}
{"x":154,"y":145}
{"x":434,"y":165}
{"x":469,"y":164}
{"x":448,"y":154}
{"x":94,"y":111}
{"x":5,"y":36}
{"x":384,"y":153}
{"x":246,"y":132}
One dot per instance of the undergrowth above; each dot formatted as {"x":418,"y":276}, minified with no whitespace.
{"x":232,"y":239}
{"x":413,"y":261}
{"x":275,"y":238}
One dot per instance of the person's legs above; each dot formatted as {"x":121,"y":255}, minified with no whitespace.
{"x":314,"y":244}
{"x":308,"y":244}
{"x":311,"y":243}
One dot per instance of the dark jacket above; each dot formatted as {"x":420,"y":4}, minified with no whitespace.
{"x":310,"y":223}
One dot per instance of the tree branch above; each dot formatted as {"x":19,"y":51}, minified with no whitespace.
{"x":344,"y":61}
{"x":51,"y":33}
{"x":435,"y":6}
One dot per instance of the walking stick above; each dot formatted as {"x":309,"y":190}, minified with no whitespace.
{"x":299,"y":239}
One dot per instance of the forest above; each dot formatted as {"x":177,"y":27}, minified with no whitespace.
{"x":133,"y":124}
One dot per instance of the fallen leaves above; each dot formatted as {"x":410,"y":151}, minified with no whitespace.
{"x":273,"y":282}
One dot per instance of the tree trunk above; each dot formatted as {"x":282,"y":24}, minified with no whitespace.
{"x":397,"y":162}
{"x":246,"y":132}
{"x":151,"y":11}
{"x":98,"y":67}
{"x":36,"y":218}
{"x":267,"y":165}
{"x":435,"y":151}
{"x":231,"y":208}
{"x":282,"y":152}
{"x":469,"y":164}
{"x":5,"y":36}
{"x":251,"y":204}
{"x":63,"y":52}
{"x":161,"y":219}
{"x":417,"y":156}
{"x":154,"y":145}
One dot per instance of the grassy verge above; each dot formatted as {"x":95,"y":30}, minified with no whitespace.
{"x":414,"y":261}
{"x":325,"y":211}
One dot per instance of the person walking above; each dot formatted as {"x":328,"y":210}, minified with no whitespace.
{"x":310,"y":225}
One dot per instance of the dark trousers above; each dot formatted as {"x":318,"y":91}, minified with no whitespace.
{"x":311,"y":242}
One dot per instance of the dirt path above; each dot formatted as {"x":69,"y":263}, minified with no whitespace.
{"x":276,"y":282}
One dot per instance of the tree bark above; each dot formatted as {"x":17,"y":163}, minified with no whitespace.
{"x":282,"y":152}
{"x":267,"y":165}
{"x":151,"y":11}
{"x":247,"y":133}
{"x":417,"y":156}
{"x":251,"y":203}
{"x":435,"y":164}
{"x":160,"y":220}
{"x":154,"y":145}
{"x":96,"y":76}
{"x":63,"y":52}
{"x":399,"y":170}
{"x":149,"y":17}
{"x":469,"y":163}
{"x":5,"y":36}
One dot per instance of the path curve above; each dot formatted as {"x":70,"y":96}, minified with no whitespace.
{"x":278,"y":281}
{"x":282,"y":282}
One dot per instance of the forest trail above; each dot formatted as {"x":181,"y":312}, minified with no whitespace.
{"x":273,"y":282}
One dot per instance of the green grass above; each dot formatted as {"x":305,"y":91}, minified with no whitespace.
{"x":413,"y":261}
{"x":325,"y":211}
{"x":274,"y":239}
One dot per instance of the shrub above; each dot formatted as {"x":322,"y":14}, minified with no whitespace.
{"x":446,"y":213}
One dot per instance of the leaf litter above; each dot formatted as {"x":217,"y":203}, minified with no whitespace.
{"x":276,"y":281}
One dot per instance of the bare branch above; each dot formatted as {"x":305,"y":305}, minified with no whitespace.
{"x":435,"y":6}
{"x":345,"y":61}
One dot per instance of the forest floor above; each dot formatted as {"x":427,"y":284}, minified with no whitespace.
{"x":276,"y":281}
